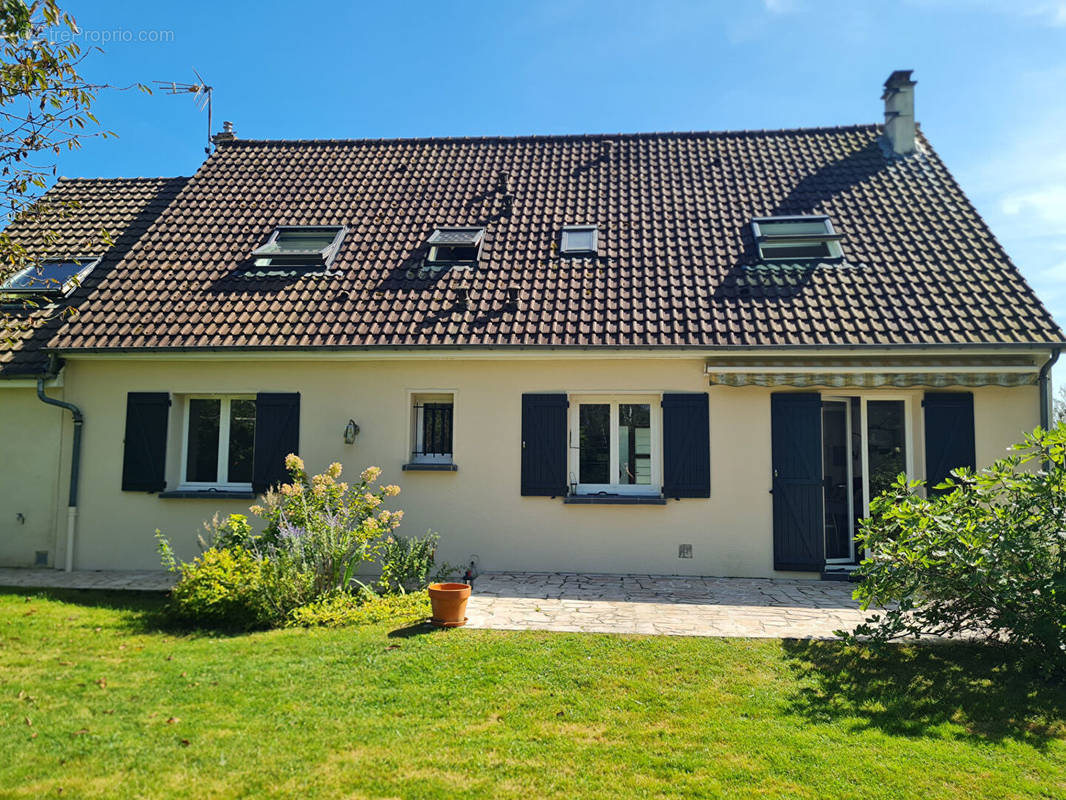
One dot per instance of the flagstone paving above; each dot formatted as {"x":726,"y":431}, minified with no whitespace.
{"x":649,"y":604}
{"x":668,"y":605}
{"x":140,"y":580}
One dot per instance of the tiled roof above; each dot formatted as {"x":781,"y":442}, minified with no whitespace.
{"x":80,"y":210}
{"x":676,"y":264}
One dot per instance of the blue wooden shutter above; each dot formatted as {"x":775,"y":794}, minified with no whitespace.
{"x":798,"y":484}
{"x":277,"y":433}
{"x":144,"y":453}
{"x":544,"y":445}
{"x":949,"y":435}
{"x":686,"y":446}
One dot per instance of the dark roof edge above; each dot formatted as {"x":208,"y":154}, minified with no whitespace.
{"x":383,"y":348}
{"x":143,"y":178}
{"x":555,"y":137}
{"x":950,"y":177}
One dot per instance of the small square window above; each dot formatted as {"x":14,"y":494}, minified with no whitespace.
{"x":307,"y":246}
{"x":50,"y":277}
{"x":431,"y":428}
{"x":219,"y":442}
{"x":450,"y":246}
{"x":796,"y":238}
{"x":579,"y":239}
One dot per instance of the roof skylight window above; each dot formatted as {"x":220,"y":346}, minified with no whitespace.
{"x":52,"y":277}
{"x":449,"y":246}
{"x":300,"y":246}
{"x":579,"y":239}
{"x":796,"y":238}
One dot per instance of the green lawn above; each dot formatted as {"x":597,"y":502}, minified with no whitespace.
{"x":98,"y":699}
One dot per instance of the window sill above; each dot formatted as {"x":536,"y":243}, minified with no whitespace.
{"x":614,"y":500}
{"x":208,"y":494}
{"x":430,"y":468}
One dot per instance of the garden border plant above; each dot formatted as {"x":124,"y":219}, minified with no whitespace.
{"x":318,"y":532}
{"x":984,"y":556}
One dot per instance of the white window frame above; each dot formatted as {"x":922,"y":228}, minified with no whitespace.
{"x":653,"y":489}
{"x":765,"y":240}
{"x":63,"y":289}
{"x":417,"y":433}
{"x":316,"y":257}
{"x":908,"y":438}
{"x":566,"y":247}
{"x":477,"y":237}
{"x":223,"y":444}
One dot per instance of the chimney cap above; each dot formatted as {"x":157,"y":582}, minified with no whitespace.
{"x":900,"y":78}
{"x":225,"y":135}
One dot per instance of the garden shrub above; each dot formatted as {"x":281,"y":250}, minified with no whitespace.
{"x":318,"y":531}
{"x":322,"y":528}
{"x":343,"y":609}
{"x":406,"y":563}
{"x":987,"y":556}
{"x":223,"y":586}
{"x":232,"y":531}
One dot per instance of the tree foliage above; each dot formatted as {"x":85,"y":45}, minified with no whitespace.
{"x":45,"y":109}
{"x":985,"y":557}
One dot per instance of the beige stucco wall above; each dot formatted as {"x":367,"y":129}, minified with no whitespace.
{"x":478,"y":509}
{"x":30,"y":454}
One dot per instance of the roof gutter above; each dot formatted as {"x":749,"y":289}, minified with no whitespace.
{"x":1045,"y":388}
{"x":75,"y":461}
{"x":504,"y":348}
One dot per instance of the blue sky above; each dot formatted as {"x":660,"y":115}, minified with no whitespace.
{"x":990,"y":77}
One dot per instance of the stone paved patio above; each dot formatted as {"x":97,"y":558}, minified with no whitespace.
{"x":650,"y":604}
{"x":145,"y":580}
{"x":674,"y":606}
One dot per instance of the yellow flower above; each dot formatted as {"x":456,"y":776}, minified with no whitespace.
{"x":293,"y":461}
{"x":334,"y":470}
{"x":391,"y":490}
{"x":370,"y":474}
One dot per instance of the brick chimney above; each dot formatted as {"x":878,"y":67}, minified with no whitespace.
{"x":227,"y":134}
{"x":899,"y":111}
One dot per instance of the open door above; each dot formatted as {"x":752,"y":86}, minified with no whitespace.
{"x":798,"y":482}
{"x":838,"y":467}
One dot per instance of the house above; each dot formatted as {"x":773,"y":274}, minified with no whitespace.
{"x":693,"y":353}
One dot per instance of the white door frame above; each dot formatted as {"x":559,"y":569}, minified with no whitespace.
{"x":910,"y":445}
{"x":908,"y":440}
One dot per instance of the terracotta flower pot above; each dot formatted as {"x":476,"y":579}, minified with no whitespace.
{"x":449,"y":604}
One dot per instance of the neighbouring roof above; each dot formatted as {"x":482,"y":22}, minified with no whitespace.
{"x":676,"y":263}
{"x":79,"y":211}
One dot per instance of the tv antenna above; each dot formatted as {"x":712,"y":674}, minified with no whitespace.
{"x":201,"y":93}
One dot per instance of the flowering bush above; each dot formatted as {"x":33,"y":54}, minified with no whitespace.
{"x":318,"y":531}
{"x":323,"y":528}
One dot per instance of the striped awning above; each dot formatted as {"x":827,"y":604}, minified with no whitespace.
{"x":871,"y":373}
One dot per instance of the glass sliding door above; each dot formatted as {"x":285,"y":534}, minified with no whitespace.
{"x":865,"y":446}
{"x":886,"y":442}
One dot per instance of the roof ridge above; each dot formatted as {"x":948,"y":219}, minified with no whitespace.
{"x":142,"y":178}
{"x":569,"y":137}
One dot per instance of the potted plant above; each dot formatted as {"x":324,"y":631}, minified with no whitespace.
{"x":449,"y":604}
